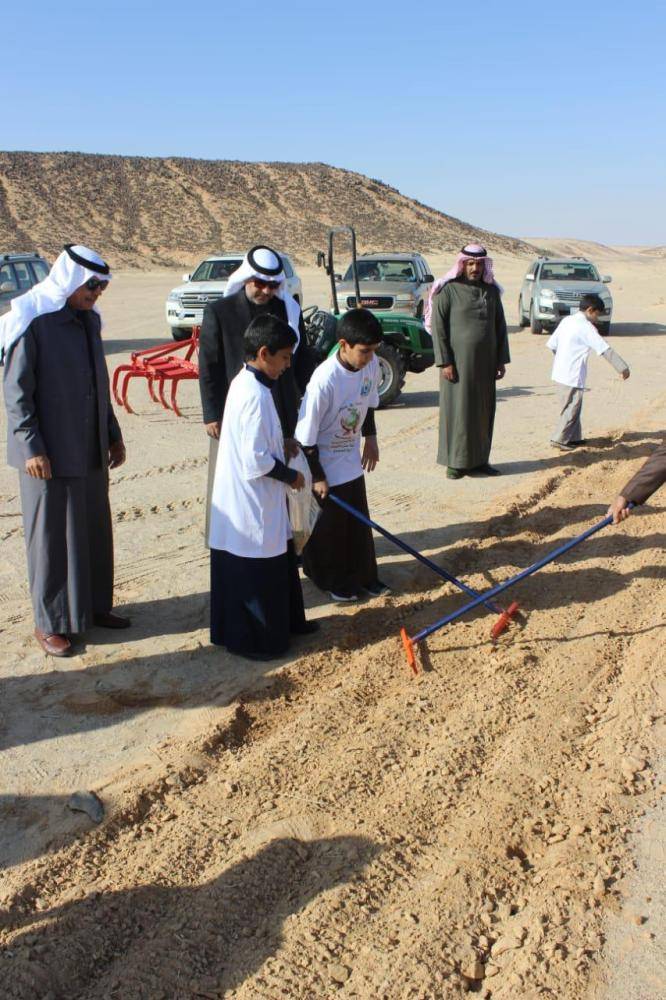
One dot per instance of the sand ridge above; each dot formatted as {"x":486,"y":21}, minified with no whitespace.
{"x":155,"y":211}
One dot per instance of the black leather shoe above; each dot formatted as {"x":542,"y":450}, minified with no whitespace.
{"x":305,"y":628}
{"x":107,"y":619}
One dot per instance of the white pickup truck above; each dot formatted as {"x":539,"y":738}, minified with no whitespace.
{"x":185,"y":303}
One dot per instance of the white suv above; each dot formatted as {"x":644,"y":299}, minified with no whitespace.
{"x":552,"y":288}
{"x":185,"y":304}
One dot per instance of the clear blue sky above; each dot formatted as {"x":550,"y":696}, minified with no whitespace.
{"x":543,"y":119}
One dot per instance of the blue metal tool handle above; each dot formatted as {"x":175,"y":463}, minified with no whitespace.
{"x":413,"y":552}
{"x":514,"y":579}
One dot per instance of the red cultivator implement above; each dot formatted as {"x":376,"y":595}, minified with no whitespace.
{"x":164,"y":367}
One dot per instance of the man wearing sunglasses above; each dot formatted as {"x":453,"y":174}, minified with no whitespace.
{"x":63,"y":437}
{"x":258,"y":286}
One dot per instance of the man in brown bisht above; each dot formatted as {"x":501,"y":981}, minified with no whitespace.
{"x":471,"y":349}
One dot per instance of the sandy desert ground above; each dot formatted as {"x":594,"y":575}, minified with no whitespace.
{"x":333,"y":827}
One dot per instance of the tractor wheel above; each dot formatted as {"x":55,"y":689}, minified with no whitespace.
{"x":522,"y":321}
{"x":536,"y":324}
{"x":392,"y":375}
{"x":178,"y":333}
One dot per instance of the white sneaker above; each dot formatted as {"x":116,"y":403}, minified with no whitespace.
{"x":378,"y":589}
{"x":342,"y":598}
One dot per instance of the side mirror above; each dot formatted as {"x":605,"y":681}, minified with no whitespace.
{"x":529,"y":277}
{"x":428,"y":278}
{"x":606,"y":278}
{"x":186,"y":277}
{"x":8,"y":286}
{"x":321,"y":259}
{"x":337,"y":277}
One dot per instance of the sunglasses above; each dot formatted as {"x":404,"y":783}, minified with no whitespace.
{"x":260,"y":283}
{"x":93,"y":284}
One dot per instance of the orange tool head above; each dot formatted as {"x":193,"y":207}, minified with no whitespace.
{"x":503,"y":620}
{"x":409,"y":651}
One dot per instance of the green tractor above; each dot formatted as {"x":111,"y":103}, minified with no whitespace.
{"x":407,"y":345}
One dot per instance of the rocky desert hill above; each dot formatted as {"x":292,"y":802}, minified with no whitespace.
{"x":149,"y":212}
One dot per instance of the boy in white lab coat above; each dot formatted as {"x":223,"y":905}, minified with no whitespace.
{"x":572,"y":341}
{"x":256,"y":597}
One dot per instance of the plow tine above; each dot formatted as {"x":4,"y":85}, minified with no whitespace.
{"x":160,"y":392}
{"x":174,"y":390}
{"x":114,"y":383}
{"x":124,"y":390}
{"x":151,"y":388}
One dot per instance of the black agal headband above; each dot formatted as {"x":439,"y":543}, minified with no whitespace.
{"x":270,"y":272}
{"x":90,"y":265}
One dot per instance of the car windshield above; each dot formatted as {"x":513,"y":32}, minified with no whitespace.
{"x":215,"y":270}
{"x":569,"y":272}
{"x":40,"y":267}
{"x":382,"y":270}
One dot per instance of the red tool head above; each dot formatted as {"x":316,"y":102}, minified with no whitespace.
{"x":409,"y":651}
{"x":503,"y":620}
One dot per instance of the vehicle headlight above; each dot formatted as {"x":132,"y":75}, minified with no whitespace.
{"x":173,"y":297}
{"x":547,"y":294}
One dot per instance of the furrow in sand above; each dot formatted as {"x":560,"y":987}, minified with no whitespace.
{"x":346,"y":829}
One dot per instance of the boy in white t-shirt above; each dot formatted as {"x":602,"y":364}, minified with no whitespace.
{"x":572,"y":341}
{"x":336,"y":411}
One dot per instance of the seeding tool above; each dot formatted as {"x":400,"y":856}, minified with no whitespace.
{"x":409,"y":642}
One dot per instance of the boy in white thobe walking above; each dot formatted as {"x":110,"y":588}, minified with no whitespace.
{"x":572,"y":341}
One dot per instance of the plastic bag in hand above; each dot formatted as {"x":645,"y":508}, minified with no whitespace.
{"x":303,"y":507}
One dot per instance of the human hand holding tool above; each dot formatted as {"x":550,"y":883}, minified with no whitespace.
{"x":213,"y":429}
{"x":370,"y":455}
{"x":320,"y":489}
{"x":449,"y":373}
{"x":619,"y":509}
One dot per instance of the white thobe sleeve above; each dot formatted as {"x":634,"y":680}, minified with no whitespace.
{"x":256,"y":458}
{"x":595,"y":341}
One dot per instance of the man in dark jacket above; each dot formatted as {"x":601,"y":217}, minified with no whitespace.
{"x":63,"y":437}
{"x":257,"y":287}
{"x":647,"y":481}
